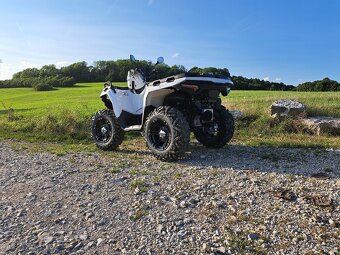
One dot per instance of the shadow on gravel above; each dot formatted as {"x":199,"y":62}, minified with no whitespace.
{"x":307,"y":162}
{"x":316,"y":163}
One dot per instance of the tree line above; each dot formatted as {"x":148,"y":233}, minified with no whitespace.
{"x":50,"y":76}
{"x":321,"y":85}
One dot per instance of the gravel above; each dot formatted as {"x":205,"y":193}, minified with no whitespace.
{"x":236,"y":200}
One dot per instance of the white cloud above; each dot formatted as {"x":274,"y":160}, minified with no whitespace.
{"x":0,"y":60}
{"x":176,"y":55}
{"x":59,"y":64}
{"x":300,"y":81}
{"x":266,"y":78}
{"x":278,"y":79}
{"x":150,"y":2}
{"x":8,"y":69}
{"x":25,"y":64}
{"x":5,"y":71}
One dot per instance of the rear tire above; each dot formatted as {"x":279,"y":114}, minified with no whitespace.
{"x":106,"y":131}
{"x":225,"y":131}
{"x":167,"y":133}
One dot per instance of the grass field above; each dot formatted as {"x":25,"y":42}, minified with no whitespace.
{"x":64,"y":115}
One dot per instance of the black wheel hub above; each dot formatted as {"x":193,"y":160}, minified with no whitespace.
{"x":210,"y":129}
{"x":160,"y":134}
{"x":103,"y":130}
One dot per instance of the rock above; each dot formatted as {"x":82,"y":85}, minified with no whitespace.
{"x":99,"y":241}
{"x":47,"y":239}
{"x":285,"y":194}
{"x":220,"y":250}
{"x":20,"y":213}
{"x":160,"y":228}
{"x":182,"y":234}
{"x":288,"y":108}
{"x":179,"y":223}
{"x":322,"y":125}
{"x":183,"y":204}
{"x":78,"y":246}
{"x":137,"y":191}
{"x":83,"y":237}
{"x":88,"y":215}
{"x":253,"y":236}
{"x":219,"y":204}
{"x":205,"y":247}
{"x":187,"y":221}
{"x":89,"y":245}
{"x":236,"y":114}
{"x":192,"y":202}
{"x":319,"y":200}
{"x":32,"y":197}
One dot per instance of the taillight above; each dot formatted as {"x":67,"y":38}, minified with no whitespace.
{"x":192,"y":87}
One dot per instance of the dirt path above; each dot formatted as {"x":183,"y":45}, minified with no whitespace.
{"x":237,"y":200}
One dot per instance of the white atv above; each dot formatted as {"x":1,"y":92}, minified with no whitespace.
{"x":166,"y":111}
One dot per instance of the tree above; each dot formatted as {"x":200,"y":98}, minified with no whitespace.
{"x":48,"y":70}
{"x":27,"y":73}
{"x":321,"y":85}
{"x":79,"y":71}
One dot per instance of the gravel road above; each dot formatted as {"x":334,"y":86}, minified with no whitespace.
{"x":236,"y":200}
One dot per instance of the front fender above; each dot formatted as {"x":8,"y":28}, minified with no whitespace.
{"x":112,"y":96}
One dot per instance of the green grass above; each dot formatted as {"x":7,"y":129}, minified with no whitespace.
{"x":64,"y":115}
{"x":258,"y":129}
{"x":59,"y":115}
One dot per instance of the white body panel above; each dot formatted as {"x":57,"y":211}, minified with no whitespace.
{"x":135,"y":80}
{"x":125,"y":100}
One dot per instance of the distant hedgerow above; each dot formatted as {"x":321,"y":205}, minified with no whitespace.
{"x":53,"y":81}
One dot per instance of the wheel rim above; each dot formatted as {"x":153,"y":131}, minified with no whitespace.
{"x":103,"y":130}
{"x":160,"y":134}
{"x":211,"y":130}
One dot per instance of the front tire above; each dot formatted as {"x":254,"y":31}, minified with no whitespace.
{"x":225,"y":130}
{"x":167,"y":133}
{"x":106,"y":131}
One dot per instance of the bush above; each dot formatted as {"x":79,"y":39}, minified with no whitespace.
{"x":64,"y":124}
{"x":42,"y":86}
{"x":59,"y":81}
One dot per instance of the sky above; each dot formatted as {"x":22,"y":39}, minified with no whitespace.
{"x":286,"y":41}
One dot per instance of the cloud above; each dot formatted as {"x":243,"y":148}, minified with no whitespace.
{"x":59,"y":64}
{"x":266,"y":78}
{"x":0,"y":60}
{"x":278,"y":79}
{"x":176,"y":55}
{"x":300,"y":81}
{"x":6,"y":71}
{"x":25,"y":64}
{"x":150,"y":2}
